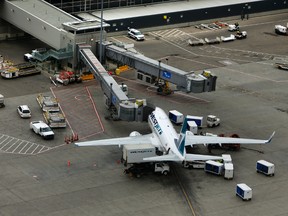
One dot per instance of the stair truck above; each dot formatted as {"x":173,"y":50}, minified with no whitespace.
{"x":132,"y":158}
{"x":244,"y":191}
{"x":265,"y":167}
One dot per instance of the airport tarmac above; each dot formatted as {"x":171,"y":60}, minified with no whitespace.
{"x":56,"y":178}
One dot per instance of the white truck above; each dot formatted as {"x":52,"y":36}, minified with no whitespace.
{"x":41,"y":128}
{"x":176,"y":117}
{"x":133,"y":158}
{"x":212,"y":121}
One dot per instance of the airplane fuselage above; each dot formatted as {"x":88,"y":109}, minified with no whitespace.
{"x":164,"y":130}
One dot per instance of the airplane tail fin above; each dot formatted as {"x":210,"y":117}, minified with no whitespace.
{"x":184,"y":126}
{"x":180,"y":143}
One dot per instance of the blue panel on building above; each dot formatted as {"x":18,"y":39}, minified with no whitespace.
{"x":166,"y":74}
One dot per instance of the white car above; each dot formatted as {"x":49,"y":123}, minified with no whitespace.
{"x":135,"y":34}
{"x":41,"y":128}
{"x":24,"y":111}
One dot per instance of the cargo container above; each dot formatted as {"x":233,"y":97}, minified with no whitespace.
{"x":265,"y":167}
{"x":244,"y":191}
{"x":197,"y":119}
{"x":176,"y":117}
{"x":226,"y":158}
{"x":136,"y":152}
{"x":228,"y":170}
{"x":213,"y":167}
{"x":192,"y":126}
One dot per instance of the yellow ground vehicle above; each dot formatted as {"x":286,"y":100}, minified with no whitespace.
{"x":48,"y":103}
{"x":55,"y":119}
{"x":20,"y":70}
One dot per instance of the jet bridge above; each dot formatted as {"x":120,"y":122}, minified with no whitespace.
{"x":153,"y":69}
{"x":115,"y":99}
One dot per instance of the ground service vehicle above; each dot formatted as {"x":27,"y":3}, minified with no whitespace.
{"x":135,"y":34}
{"x":283,"y":66}
{"x":194,"y":164}
{"x":140,"y":169}
{"x":234,"y":27}
{"x":66,"y":77}
{"x":279,"y":29}
{"x":133,"y":156}
{"x":2,"y":101}
{"x":55,"y":119}
{"x":229,"y":38}
{"x":20,"y":70}
{"x":48,"y":103}
{"x":265,"y":167}
{"x":212,"y":121}
{"x":28,"y":57}
{"x":241,"y":35}
{"x":124,"y":88}
{"x":41,"y":128}
{"x":135,"y":153}
{"x":24,"y":111}
{"x":244,"y":191}
{"x":176,"y":117}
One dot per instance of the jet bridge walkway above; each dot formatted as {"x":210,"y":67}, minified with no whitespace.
{"x":125,"y":108}
{"x":153,"y":69}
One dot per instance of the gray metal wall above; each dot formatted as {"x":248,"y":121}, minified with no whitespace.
{"x":244,"y":10}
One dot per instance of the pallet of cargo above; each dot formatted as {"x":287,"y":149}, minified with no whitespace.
{"x":48,"y":103}
{"x":55,"y":119}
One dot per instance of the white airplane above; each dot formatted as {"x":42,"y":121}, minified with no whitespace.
{"x":167,"y":140}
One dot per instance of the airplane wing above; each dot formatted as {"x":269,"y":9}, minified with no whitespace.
{"x":195,"y":140}
{"x":142,"y":139}
{"x":168,"y":157}
{"x":188,"y":157}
